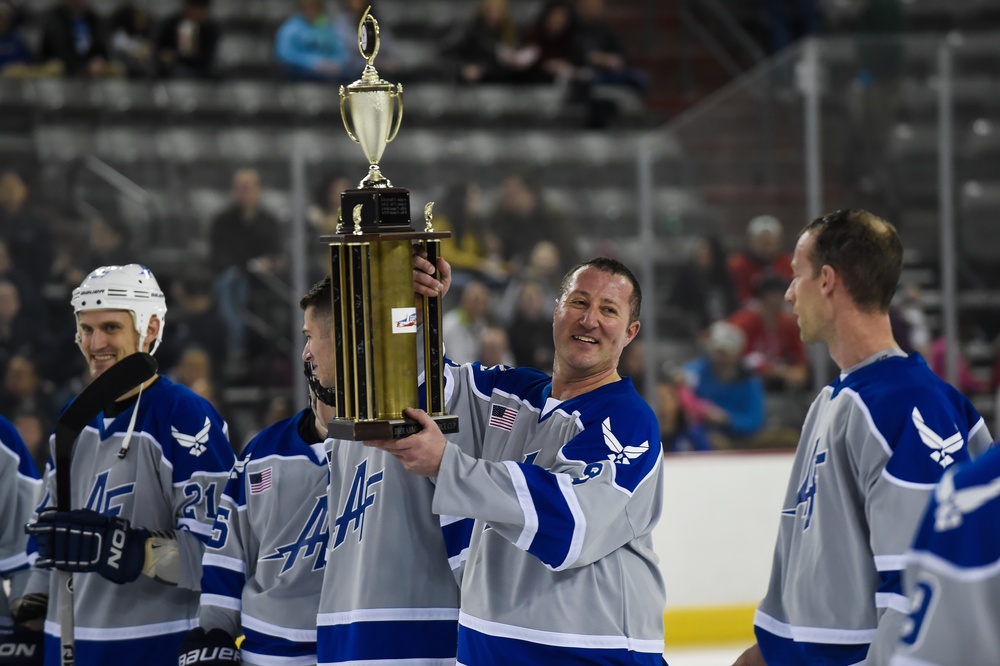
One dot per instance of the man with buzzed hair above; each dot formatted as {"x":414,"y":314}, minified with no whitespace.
{"x":875,"y":442}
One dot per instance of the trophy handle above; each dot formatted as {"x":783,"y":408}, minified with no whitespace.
{"x":399,"y":114}
{"x":343,"y":116}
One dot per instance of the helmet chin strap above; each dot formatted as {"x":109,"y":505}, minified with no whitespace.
{"x":328,"y":396}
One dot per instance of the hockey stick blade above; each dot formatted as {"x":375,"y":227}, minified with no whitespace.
{"x":117,"y":380}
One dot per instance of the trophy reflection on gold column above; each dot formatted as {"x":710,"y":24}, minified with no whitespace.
{"x":374,"y":312}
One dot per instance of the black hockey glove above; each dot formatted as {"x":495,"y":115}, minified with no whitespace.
{"x":20,"y":646}
{"x":84,"y":540}
{"x":212,"y":648}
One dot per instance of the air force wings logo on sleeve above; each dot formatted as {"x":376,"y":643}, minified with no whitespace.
{"x":941,"y":448}
{"x":621,"y":455}
{"x":194,"y":443}
{"x":954,"y":504}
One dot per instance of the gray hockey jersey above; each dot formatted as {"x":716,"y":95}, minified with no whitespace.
{"x":389,"y":594}
{"x":952,"y":576}
{"x":263,"y":569}
{"x":20,"y":492}
{"x":561,"y":567}
{"x":874,"y":444}
{"x":171,"y":478}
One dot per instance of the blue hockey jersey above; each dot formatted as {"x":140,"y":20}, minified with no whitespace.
{"x":263,"y":570}
{"x":952,"y":576}
{"x":171,"y":479}
{"x":565,"y":495}
{"x":874,"y":444}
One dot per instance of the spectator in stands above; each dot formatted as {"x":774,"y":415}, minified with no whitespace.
{"x":723,"y":401}
{"x":185,"y":47}
{"x":311,"y":49}
{"x":552,"y":43}
{"x":18,"y":334}
{"x":28,"y":289}
{"x":522,"y":219}
{"x":132,"y":40}
{"x":462,"y":327}
{"x":494,"y":347}
{"x":763,"y":253}
{"x":108,"y":242}
{"x":468,"y":250}
{"x":773,"y":349}
{"x":243,"y":239}
{"x":530,"y":328}
{"x":543,"y":268}
{"x":488,"y":48}
{"x":13,"y":49}
{"x":703,"y":287}
{"x":345,"y":23}
{"x":34,"y":428}
{"x":324,"y":213}
{"x":23,"y":228}
{"x":72,"y":35}
{"x":24,"y":389}
{"x":194,"y":322}
{"x":601,"y":50}
{"x":968,"y":383}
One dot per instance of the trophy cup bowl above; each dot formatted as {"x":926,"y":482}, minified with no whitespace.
{"x":368,"y":109}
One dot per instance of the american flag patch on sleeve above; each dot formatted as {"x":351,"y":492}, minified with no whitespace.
{"x":502,"y":417}
{"x":260,"y":481}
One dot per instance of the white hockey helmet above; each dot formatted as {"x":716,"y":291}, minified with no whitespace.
{"x":131,"y":287}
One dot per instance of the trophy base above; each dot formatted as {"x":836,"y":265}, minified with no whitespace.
{"x":381,"y":208}
{"x":360,"y":431}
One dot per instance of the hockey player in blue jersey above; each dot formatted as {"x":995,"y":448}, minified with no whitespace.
{"x":20,"y":492}
{"x":389,"y":592}
{"x":563,"y":476}
{"x":874,"y":444}
{"x":952,"y":576}
{"x":263,"y":570}
{"x":149,"y":470}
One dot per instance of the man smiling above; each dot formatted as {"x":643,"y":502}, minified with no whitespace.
{"x":149,"y":470}
{"x":563,"y":477}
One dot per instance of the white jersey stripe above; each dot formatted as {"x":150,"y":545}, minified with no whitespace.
{"x":297,"y":635}
{"x":222,"y":601}
{"x":813,"y":634}
{"x":387,"y":615}
{"x":124,"y":633}
{"x":559,"y":639}
{"x":527,"y":506}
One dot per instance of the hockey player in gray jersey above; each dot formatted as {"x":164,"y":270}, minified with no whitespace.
{"x":20,"y":492}
{"x":563,"y":476}
{"x":263,"y":570}
{"x":874,"y":444}
{"x":148,"y":471}
{"x":389,"y":592}
{"x":952,"y":575}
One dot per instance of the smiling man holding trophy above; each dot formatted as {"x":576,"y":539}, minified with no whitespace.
{"x":389,"y":591}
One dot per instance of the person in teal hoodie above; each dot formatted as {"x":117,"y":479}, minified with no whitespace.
{"x":310,"y":48}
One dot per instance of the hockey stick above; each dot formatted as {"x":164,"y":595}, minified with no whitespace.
{"x":114,"y":382}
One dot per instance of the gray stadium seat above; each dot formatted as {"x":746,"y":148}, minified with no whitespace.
{"x":979,"y":233}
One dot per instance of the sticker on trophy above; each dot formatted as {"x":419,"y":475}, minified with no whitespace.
{"x":404,"y":320}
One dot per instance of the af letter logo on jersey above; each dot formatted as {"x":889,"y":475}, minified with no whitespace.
{"x":195,"y":444}
{"x":954,"y":504}
{"x":311,"y":541}
{"x":621,"y":455}
{"x":361,"y":497}
{"x":102,"y":499}
{"x":941,"y":448}
{"x":806,"y":496}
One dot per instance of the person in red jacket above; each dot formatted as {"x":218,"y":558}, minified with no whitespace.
{"x":773,"y":346}
{"x":763,"y":253}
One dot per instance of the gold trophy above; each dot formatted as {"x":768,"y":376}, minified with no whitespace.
{"x":374,"y":311}
{"x":368,"y":109}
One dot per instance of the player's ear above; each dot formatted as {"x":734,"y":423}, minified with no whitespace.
{"x":152,"y":330}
